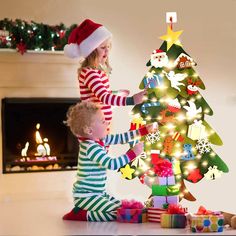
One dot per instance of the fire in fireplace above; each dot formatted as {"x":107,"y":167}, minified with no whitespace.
{"x":35,"y":137}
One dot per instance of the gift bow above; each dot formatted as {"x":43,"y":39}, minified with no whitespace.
{"x":131,"y":204}
{"x":198,"y":122}
{"x":163,"y":168}
{"x":203,"y":211}
{"x":175,"y":209}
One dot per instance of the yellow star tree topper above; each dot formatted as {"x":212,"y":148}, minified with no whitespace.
{"x":172,"y":37}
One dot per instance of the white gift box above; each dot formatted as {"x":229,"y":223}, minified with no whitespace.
{"x":196,"y":130}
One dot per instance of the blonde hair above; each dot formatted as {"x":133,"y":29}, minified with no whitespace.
{"x":92,"y":61}
{"x":81,"y":115}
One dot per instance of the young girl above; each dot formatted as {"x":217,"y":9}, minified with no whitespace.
{"x":87,"y":122}
{"x":91,"y":42}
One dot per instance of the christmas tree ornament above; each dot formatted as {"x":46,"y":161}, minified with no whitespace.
{"x":145,"y":106}
{"x":197,"y":130}
{"x":139,"y":162}
{"x":21,"y":48}
{"x":174,"y":105}
{"x":194,"y":175}
{"x":192,"y":87}
{"x":168,"y":145}
{"x":164,"y":118}
{"x":192,"y":110}
{"x":127,"y":171}
{"x":172,"y":37}
{"x":203,"y":146}
{"x":177,"y":137}
{"x":137,"y":122}
{"x":184,"y":61}
{"x":152,"y":80}
{"x":175,"y":79}
{"x":188,"y":152}
{"x":153,"y":137}
{"x":213,"y":173}
{"x":159,"y":59}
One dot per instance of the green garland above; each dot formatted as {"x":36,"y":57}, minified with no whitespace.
{"x":22,"y":35}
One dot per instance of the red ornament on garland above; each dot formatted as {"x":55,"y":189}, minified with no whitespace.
{"x":62,"y":34}
{"x":21,"y":48}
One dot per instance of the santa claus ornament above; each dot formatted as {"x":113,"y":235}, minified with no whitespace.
{"x":159,"y":58}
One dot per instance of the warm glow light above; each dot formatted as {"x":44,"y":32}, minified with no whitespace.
{"x":183,"y":101}
{"x":145,"y":98}
{"x":198,"y":156}
{"x":180,"y":117}
{"x":183,"y":131}
{"x":170,"y":126}
{"x":186,"y":172}
{"x":178,"y":176}
{"x":153,"y":99}
{"x":212,"y":132}
{"x":198,"y":96}
{"x":159,"y":145}
{"x":191,"y":166}
{"x":195,"y":75}
{"x":177,"y":154}
{"x":170,"y":64}
{"x":204,"y":163}
{"x":206,"y":110}
{"x":212,"y":154}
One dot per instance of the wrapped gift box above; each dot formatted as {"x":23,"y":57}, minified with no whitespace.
{"x":206,"y":223}
{"x":165,"y":190}
{"x":196,"y":130}
{"x":170,"y":180}
{"x":159,"y":201}
{"x":131,"y":215}
{"x":154,"y":214}
{"x":173,"y":220}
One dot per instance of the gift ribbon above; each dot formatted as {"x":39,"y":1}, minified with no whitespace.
{"x":132,"y":204}
{"x":203,"y":211}
{"x":175,"y":209}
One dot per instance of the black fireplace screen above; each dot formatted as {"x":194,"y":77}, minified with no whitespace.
{"x":34,"y":136}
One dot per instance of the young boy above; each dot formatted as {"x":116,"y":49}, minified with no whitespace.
{"x":86,"y":121}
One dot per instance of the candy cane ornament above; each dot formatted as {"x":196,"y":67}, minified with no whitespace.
{"x":145,"y":106}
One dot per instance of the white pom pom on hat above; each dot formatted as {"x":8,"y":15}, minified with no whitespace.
{"x":72,"y":50}
{"x":85,"y":38}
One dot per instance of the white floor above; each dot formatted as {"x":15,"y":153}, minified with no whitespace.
{"x":43,"y":217}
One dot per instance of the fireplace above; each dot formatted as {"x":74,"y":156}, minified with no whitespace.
{"x":34,"y":136}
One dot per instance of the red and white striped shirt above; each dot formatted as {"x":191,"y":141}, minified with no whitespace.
{"x":94,"y":85}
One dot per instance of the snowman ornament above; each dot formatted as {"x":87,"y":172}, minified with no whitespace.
{"x":159,"y":58}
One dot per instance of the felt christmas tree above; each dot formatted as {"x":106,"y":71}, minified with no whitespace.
{"x":184,"y":140}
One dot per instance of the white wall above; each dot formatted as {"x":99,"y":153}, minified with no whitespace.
{"x":209,"y":37}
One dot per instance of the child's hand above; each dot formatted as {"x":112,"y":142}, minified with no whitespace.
{"x":138,"y":148}
{"x":152,"y":128}
{"x":138,"y":97}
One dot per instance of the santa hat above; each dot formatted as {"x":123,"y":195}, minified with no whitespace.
{"x":85,"y":38}
{"x":158,"y":51}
